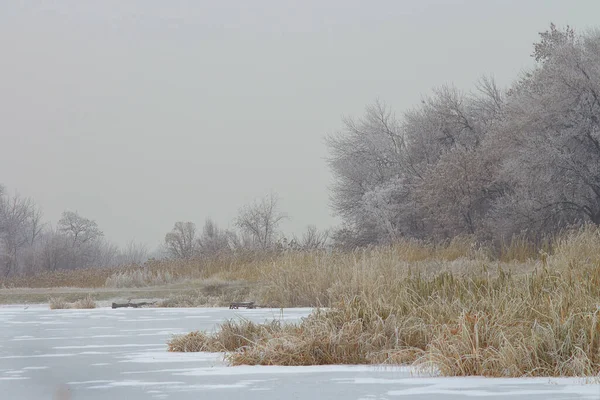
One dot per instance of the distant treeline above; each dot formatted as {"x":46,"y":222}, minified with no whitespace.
{"x":28,"y":245}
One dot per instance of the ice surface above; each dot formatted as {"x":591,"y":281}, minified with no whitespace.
{"x":123,"y":354}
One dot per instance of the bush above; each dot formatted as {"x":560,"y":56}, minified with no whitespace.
{"x":85,"y":303}
{"x":58,"y":303}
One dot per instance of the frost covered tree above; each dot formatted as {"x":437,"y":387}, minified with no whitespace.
{"x":20,"y":226}
{"x":81,"y":230}
{"x":260,"y":221}
{"x":133,"y":254}
{"x":391,"y":176}
{"x":364,"y":157}
{"x":487,"y":163}
{"x":213,"y":241}
{"x":551,"y":134}
{"x":181,"y":242}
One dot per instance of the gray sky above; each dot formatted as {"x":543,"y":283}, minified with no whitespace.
{"x":140,"y":113}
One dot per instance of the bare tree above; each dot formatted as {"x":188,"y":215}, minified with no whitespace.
{"x":260,"y":220}
{"x":313,"y":239}
{"x":551,"y":135}
{"x":387,"y":172}
{"x":19,"y":227}
{"x":181,"y":241}
{"x":213,"y":240}
{"x":81,"y":230}
{"x":364,"y":154}
{"x":133,"y":254}
{"x":56,"y":252}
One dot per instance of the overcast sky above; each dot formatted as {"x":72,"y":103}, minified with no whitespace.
{"x":141,"y":113}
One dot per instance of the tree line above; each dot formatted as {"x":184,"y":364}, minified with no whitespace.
{"x":28,"y":245}
{"x":491,"y":163}
{"x":256,"y":230}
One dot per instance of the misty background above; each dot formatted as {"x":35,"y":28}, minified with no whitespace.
{"x":141,"y":113}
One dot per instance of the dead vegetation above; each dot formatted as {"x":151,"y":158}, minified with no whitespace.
{"x":457,"y":311}
{"x":59,"y":303}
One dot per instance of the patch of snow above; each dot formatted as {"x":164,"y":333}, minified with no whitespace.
{"x":488,"y":387}
{"x":259,"y":370}
{"x":149,"y":320}
{"x":162,"y":333}
{"x":39,"y":356}
{"x":145,"y":329}
{"x":167,"y":357}
{"x":102,"y":346}
{"x":105,"y":336}
{"x":114,"y":384}
{"x":88,"y":382}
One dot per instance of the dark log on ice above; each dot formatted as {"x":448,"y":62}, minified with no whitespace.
{"x":130,"y":304}
{"x":243,"y":304}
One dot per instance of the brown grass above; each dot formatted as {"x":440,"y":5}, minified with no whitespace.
{"x":59,"y":303}
{"x":152,"y":273}
{"x":230,"y":336}
{"x":85,"y":303}
{"x":210,"y":293}
{"x":457,"y":311}
{"x":81,"y":278}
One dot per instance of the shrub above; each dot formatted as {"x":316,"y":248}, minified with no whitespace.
{"x":58,"y":303}
{"x":85,"y":303}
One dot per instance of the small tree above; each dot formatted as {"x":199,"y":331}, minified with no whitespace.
{"x":313,"y":239}
{"x":181,"y":241}
{"x":81,"y":230}
{"x":260,"y":220}
{"x":20,"y":225}
{"x":133,"y":254}
{"x":213,"y":241}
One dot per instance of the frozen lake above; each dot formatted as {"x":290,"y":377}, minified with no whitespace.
{"x":121,"y":354}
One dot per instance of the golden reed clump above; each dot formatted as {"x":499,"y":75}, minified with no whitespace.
{"x":458,"y":310}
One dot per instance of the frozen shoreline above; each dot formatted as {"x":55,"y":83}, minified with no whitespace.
{"x":122,"y":353}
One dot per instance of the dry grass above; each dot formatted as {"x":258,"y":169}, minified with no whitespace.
{"x":85,"y":303}
{"x":138,"y":278}
{"x":230,"y":336}
{"x":59,"y":303}
{"x":152,"y":273}
{"x":80,"y":278}
{"x":210,"y":293}
{"x":457,"y":311}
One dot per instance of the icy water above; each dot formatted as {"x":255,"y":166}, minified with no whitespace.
{"x":121,"y":354}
